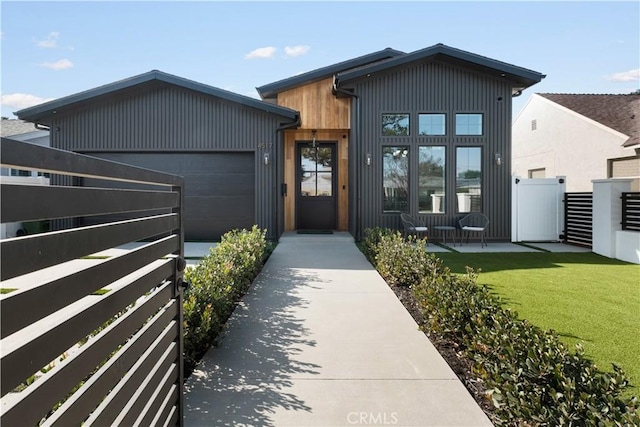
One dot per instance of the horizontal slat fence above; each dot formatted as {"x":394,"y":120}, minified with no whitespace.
{"x":631,"y":211}
{"x":578,"y":218}
{"x":91,"y":337}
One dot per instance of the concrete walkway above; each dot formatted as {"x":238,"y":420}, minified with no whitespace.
{"x":321,"y":340}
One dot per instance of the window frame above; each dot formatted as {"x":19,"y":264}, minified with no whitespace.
{"x":455,"y":124}
{"x":390,"y":113}
{"x":444,"y":179}
{"x":482,"y":154}
{"x":433,"y":135}
{"x":400,"y":146}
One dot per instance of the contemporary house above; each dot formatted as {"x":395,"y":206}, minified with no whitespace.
{"x":344,"y":147}
{"x":580,"y":136}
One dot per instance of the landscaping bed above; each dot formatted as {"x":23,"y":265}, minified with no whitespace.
{"x":527,"y":374}
{"x":216,"y":284}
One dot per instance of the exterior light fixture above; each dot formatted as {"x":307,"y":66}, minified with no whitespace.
{"x":266,"y":157}
{"x":313,"y":139}
{"x":368,"y":159}
{"x":498,"y":159}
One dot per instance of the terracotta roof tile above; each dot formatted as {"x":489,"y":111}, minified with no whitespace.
{"x":618,"y":112}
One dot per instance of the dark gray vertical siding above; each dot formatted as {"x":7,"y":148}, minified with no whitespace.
{"x":437,"y":87}
{"x":167,"y":118}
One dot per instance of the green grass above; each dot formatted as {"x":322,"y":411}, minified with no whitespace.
{"x":584,"y":297}
{"x":7,"y":290}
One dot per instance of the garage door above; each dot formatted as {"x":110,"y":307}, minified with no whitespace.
{"x":219,"y":188}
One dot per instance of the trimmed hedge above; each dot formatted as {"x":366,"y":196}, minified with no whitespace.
{"x":216,"y":284}
{"x":532,"y":377}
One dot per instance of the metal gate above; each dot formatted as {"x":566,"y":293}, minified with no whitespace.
{"x":537,"y":214}
{"x":578,"y":218}
{"x":88,"y":339}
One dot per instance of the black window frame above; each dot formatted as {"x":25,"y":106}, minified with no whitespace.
{"x":469,"y":113}
{"x":433,"y":113}
{"x":390,"y":113}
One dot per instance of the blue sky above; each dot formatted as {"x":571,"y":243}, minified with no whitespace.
{"x":54,"y":49}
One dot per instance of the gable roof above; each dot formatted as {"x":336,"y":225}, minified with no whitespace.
{"x":272,"y":89}
{"x":521,"y":78}
{"x":42,"y":111}
{"x":618,"y":112}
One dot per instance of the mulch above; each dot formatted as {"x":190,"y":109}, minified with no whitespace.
{"x":449,"y":350}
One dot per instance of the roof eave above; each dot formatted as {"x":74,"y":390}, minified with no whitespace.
{"x":522,"y":77}
{"x":271,"y":90}
{"x":43,"y":112}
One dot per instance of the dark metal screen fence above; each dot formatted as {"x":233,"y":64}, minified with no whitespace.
{"x":631,"y":211}
{"x":86,"y":339}
{"x":578,"y":218}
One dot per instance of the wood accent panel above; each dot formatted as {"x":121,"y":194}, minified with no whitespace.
{"x":318,"y":107}
{"x":342,"y":137}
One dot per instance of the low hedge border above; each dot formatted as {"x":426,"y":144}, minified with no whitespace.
{"x":216,"y":284}
{"x":532,"y":377}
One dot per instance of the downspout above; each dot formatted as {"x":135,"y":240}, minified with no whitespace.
{"x":357,"y":148}
{"x":276,"y":207}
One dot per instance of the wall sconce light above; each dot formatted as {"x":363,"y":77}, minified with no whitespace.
{"x":313,"y":139}
{"x":368,"y":159}
{"x":498,"y":159}
{"x":266,"y":157}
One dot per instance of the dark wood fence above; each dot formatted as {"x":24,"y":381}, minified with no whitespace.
{"x":578,"y":219}
{"x":107,"y":330}
{"x":631,"y":211}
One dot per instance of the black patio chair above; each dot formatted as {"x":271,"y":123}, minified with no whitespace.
{"x":411,"y":225}
{"x":474,"y":223}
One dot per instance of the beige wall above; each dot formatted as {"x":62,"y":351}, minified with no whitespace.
{"x":564,"y":144}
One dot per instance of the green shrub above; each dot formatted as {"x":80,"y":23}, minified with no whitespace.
{"x":532,"y":376}
{"x":404,"y":263}
{"x":216,"y":284}
{"x":372,"y":237}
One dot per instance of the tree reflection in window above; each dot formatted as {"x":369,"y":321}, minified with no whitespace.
{"x":395,"y":179}
{"x":431,"y":179}
{"x":395,"y":124}
{"x":316,"y":165}
{"x":469,"y":179}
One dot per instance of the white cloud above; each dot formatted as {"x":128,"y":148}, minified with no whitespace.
{"x":62,"y":64}
{"x":50,"y":42}
{"x":626,"y":76}
{"x":21,"y":100}
{"x":293,"y":51}
{"x":261,"y":52}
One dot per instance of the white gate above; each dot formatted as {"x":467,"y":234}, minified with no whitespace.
{"x":536,"y":212}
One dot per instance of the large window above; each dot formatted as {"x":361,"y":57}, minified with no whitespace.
{"x":431,"y":179}
{"x":395,"y":124}
{"x":469,"y":179}
{"x":395,"y":179}
{"x":431,"y":124}
{"x":468,"y":124}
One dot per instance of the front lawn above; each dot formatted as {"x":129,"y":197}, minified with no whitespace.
{"x":584,"y":297}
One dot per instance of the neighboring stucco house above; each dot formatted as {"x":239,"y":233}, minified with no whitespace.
{"x":344,"y":147}
{"x":580,"y":136}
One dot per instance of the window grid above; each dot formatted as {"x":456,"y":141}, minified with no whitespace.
{"x":432,"y":124}
{"x":468,"y":124}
